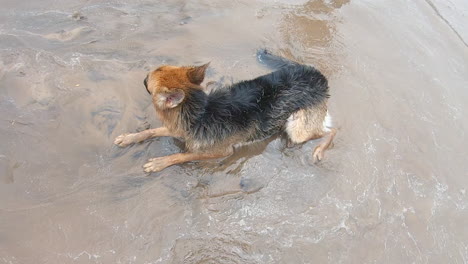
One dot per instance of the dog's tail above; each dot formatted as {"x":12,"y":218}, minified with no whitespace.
{"x":273,"y":61}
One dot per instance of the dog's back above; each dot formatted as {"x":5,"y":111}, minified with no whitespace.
{"x":286,"y":91}
{"x":258,"y":108}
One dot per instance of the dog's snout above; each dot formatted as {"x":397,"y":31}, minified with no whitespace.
{"x":145,"y":82}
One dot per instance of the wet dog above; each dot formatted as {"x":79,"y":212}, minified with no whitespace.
{"x":292,"y":99}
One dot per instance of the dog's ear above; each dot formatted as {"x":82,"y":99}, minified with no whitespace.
{"x":170,"y":99}
{"x":174,"y":98}
{"x":197,"y":74}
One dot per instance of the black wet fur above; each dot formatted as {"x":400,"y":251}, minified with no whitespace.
{"x":262,"y":104}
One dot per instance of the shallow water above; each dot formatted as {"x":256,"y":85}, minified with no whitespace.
{"x":391,"y":190}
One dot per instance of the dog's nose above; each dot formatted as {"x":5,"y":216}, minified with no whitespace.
{"x":145,"y":82}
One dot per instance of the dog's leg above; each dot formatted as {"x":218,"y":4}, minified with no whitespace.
{"x":127,"y":139}
{"x":324,"y":144}
{"x":160,"y":163}
{"x":309,"y":124}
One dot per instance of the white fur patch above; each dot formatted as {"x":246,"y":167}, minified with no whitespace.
{"x":291,"y":125}
{"x":327,"y":122}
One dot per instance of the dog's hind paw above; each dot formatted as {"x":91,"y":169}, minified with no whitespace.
{"x":318,"y":154}
{"x":156,"y":164}
{"x":124,"y":140}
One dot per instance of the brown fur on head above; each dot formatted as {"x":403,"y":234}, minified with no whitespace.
{"x":169,"y":85}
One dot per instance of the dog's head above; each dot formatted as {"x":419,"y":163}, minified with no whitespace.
{"x":169,"y":85}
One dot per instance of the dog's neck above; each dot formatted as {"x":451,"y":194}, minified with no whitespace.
{"x":181,"y":119}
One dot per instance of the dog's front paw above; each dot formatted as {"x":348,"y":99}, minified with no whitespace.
{"x":156,"y":164}
{"x":124,"y":140}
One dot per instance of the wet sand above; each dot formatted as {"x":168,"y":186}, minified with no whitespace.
{"x":391,"y":190}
